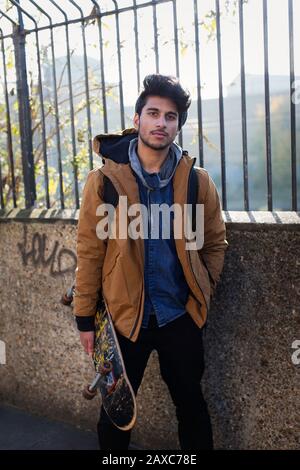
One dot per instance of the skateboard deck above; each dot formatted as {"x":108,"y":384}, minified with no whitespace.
{"x":118,"y":398}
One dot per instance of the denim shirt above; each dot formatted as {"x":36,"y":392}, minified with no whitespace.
{"x":166,"y":290}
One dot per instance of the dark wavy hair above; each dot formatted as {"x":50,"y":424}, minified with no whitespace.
{"x":165,"y":86}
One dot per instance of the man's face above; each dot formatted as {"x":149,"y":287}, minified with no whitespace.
{"x":158,"y":123}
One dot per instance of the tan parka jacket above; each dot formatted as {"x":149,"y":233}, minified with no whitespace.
{"x":115,"y":267}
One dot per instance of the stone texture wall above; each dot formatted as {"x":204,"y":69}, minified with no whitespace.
{"x":251,"y":384}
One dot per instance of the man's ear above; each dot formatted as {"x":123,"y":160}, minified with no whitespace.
{"x":136,"y":121}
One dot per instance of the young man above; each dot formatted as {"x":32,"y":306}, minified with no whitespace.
{"x":157,"y":291}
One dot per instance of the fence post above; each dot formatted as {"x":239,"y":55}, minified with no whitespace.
{"x":24,"y":114}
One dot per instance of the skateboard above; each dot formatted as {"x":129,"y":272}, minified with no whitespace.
{"x":118,"y":398}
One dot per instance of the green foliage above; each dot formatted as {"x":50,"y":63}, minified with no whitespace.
{"x":209,"y":23}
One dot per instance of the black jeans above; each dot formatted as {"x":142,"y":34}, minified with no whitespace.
{"x":180,"y":350}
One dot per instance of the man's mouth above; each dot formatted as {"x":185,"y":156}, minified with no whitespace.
{"x":159,"y":133}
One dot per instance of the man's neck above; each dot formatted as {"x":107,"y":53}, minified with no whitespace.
{"x":151,"y":160}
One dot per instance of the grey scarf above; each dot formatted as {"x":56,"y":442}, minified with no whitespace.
{"x":167,"y":170}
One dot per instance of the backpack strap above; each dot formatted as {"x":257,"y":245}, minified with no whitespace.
{"x":110,"y":194}
{"x":193,"y":195}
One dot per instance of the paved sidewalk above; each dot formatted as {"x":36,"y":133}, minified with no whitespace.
{"x":20,"y":430}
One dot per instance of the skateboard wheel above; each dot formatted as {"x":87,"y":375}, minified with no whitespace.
{"x":66,"y":300}
{"x":88,"y":394}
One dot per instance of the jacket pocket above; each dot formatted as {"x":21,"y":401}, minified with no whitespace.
{"x":201,"y":275}
{"x":109,"y":264}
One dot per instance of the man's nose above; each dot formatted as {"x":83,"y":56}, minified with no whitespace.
{"x":161,"y":121}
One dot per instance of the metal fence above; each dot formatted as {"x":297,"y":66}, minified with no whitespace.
{"x":50,"y":93}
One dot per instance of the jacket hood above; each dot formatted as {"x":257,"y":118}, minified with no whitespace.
{"x":114,"y":146}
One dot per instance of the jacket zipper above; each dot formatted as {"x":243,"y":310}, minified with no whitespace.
{"x":149,"y":211}
{"x":149,"y":228}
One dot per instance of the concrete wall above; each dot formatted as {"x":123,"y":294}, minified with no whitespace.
{"x":251,"y":383}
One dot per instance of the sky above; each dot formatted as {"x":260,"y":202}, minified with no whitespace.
{"x":253,"y":24}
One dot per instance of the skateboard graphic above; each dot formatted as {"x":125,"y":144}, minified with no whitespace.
{"x":118,"y":398}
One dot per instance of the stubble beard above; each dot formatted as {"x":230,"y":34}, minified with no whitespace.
{"x":153,"y":146}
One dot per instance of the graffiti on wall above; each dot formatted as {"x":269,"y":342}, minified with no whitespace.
{"x":35,"y":250}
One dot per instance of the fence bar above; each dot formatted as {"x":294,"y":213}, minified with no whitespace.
{"x":9,"y":136}
{"x":137,"y":50}
{"x":44,"y":139}
{"x":86,"y":81}
{"x":243,"y":106}
{"x":175,"y":24}
{"x":199,"y":100}
{"x":119,"y":66}
{"x":293,"y":107}
{"x":1,"y":188}
{"x":155,"y":32}
{"x":99,"y":22}
{"x":5,"y":85}
{"x":267,"y":106}
{"x":221,"y":108}
{"x":24,"y":114}
{"x":11,"y":21}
